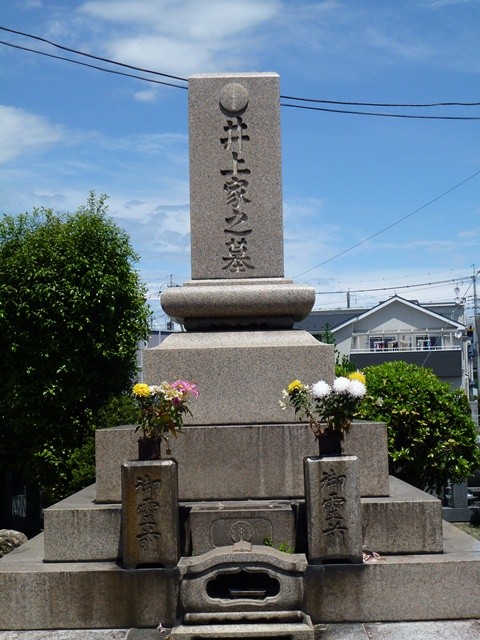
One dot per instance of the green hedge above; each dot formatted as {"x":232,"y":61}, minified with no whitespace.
{"x":431,"y":436}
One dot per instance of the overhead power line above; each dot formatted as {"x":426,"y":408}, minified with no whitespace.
{"x":402,"y":286}
{"x":386,"y":104}
{"x":284,"y":97}
{"x":295,"y":98}
{"x":93,"y":66}
{"x":378,"y":114}
{"x":390,"y":226}
{"x":89,"y":55}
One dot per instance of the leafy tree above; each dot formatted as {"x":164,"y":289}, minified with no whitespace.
{"x":72,"y":310}
{"x":431,"y":436}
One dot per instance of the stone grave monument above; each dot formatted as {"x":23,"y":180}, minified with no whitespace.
{"x":238,"y":310}
{"x":249,"y":477}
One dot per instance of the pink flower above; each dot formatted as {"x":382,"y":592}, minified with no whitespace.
{"x":186,"y":387}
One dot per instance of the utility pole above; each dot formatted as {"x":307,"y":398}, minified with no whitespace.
{"x":475,"y":345}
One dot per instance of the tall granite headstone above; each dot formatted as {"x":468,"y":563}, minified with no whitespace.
{"x":239,"y":309}
{"x":236,"y":178}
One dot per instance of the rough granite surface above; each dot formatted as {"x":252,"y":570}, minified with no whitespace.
{"x":437,"y":630}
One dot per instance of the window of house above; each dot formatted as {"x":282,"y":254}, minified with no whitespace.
{"x":383,"y":343}
{"x":428,"y":342}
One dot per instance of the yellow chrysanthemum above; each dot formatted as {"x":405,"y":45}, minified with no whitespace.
{"x":141,"y":389}
{"x":295,"y":385}
{"x":357,"y":375}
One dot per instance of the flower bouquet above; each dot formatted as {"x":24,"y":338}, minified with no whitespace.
{"x":161,"y":412}
{"x":328,"y":409}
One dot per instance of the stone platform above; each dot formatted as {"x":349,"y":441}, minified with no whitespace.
{"x":451,"y":629}
{"x":299,"y":629}
{"x":75,"y":595}
{"x":71,"y":576}
{"x":237,"y":462}
{"x":79,"y":529}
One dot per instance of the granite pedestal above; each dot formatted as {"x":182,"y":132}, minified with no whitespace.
{"x":332,"y":501}
{"x":150,"y":514}
{"x":240,"y":374}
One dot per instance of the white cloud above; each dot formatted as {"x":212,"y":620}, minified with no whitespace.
{"x":147,"y":95}
{"x":181,"y":36}
{"x":294,"y":209}
{"x":406,"y":46}
{"x":469,"y":233}
{"x":173,"y":146}
{"x":175,"y":56}
{"x":177,"y":221}
{"x":24,"y":132}
{"x":185,"y":19}
{"x":155,"y":212}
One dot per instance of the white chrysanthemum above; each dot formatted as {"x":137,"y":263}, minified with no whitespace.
{"x":357,"y":389}
{"x":321,"y":389}
{"x":155,"y":389}
{"x":341,"y":385}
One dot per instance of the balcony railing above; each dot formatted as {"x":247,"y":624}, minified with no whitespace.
{"x":370,"y":343}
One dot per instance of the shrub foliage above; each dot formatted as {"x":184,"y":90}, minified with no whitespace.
{"x":431,"y":436}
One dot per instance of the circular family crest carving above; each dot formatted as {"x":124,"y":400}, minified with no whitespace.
{"x":241,"y":530}
{"x":234,"y":97}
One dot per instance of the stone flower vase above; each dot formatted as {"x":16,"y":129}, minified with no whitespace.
{"x":330,"y":442}
{"x":149,"y":448}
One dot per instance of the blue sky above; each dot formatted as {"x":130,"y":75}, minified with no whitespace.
{"x":66,"y":129}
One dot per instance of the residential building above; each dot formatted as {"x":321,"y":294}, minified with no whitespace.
{"x":429,"y":335}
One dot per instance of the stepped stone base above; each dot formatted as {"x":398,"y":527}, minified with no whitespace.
{"x":39,"y":595}
{"x":408,"y":521}
{"x":243,"y":462}
{"x":288,"y":625}
{"x":79,"y":529}
{"x":413,"y":587}
{"x":82,"y":595}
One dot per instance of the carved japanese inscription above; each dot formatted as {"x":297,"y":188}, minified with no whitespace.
{"x":150,"y":527}
{"x":148,"y":507}
{"x":234,"y":141}
{"x":332,"y":500}
{"x":235,"y":176}
{"x":334,"y":505}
